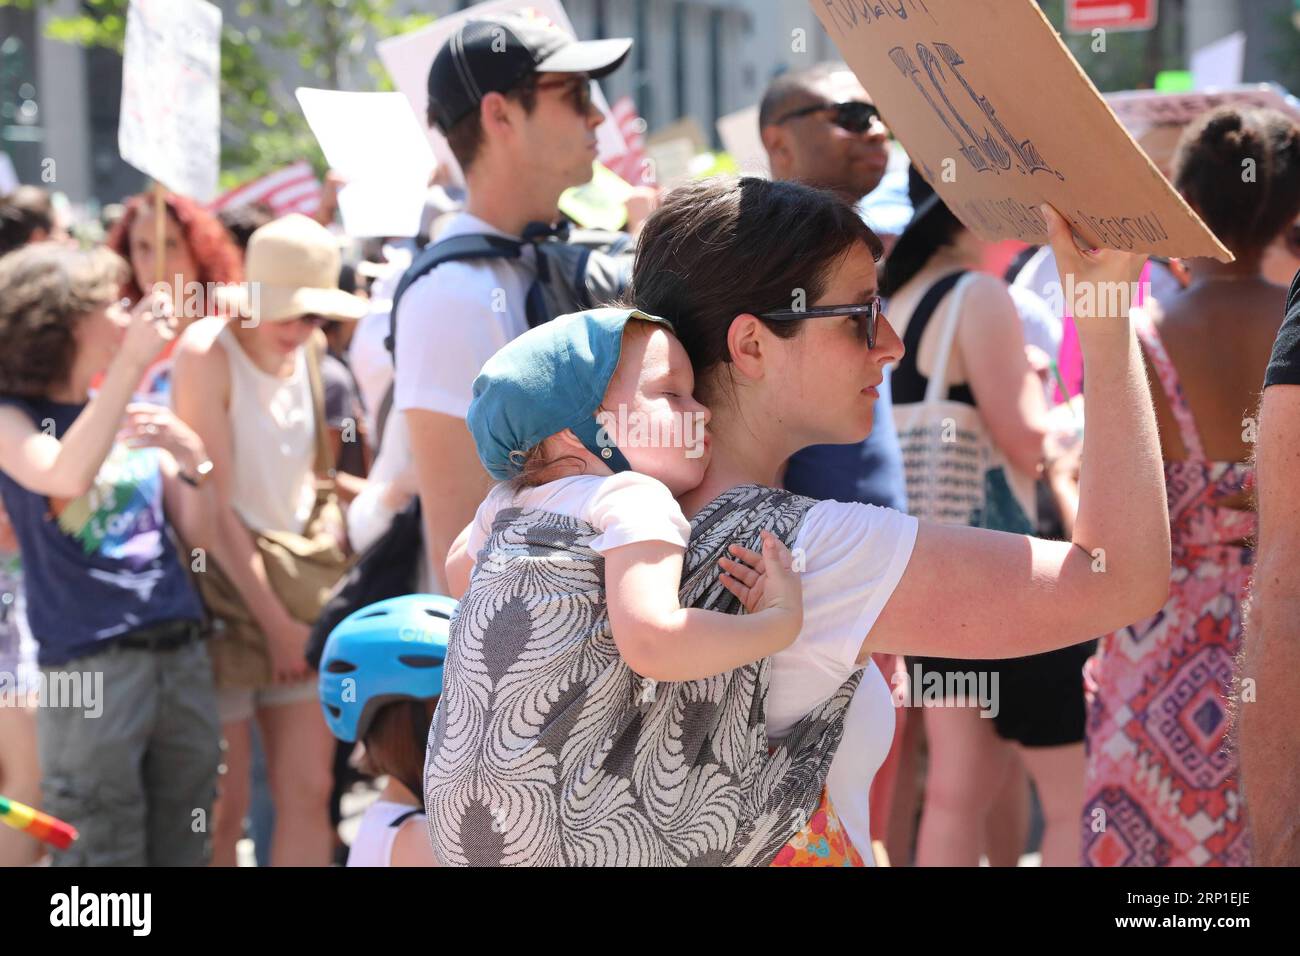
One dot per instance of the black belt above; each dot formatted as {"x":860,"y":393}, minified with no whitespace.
{"x":165,"y":636}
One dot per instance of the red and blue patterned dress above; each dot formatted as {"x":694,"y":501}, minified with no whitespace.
{"x":1163,"y":786}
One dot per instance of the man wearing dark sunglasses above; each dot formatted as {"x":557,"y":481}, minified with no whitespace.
{"x":820,"y":127}
{"x":512,"y":94}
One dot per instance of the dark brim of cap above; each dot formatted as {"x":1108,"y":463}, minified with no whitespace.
{"x":597,"y":58}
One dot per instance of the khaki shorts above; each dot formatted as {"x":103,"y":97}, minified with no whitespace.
{"x":136,"y":774}
{"x":240,"y":703}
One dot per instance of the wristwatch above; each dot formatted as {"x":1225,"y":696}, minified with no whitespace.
{"x":201,"y":472}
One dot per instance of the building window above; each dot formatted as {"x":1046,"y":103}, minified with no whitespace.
{"x":643,"y":92}
{"x":715,"y":74}
{"x":679,"y":59}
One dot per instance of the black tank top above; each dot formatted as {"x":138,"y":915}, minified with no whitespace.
{"x":909,"y":384}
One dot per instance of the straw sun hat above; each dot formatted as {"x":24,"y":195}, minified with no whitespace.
{"x":292,"y":269}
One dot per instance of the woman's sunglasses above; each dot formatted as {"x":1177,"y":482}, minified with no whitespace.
{"x":853,"y":116}
{"x":867,"y":315}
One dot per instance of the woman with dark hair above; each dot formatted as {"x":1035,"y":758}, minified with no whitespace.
{"x":95,"y":489}
{"x":772,"y":289}
{"x":966,"y":365}
{"x":199,"y":258}
{"x":1162,"y":778}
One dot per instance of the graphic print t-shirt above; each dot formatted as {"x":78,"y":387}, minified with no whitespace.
{"x":102,"y":564}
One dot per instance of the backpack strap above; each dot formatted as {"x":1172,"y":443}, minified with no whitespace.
{"x":454,"y":249}
{"x":563,"y":260}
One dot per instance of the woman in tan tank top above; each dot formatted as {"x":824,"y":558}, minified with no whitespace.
{"x":242,"y":384}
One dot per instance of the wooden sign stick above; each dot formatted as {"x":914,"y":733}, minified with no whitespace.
{"x":159,"y":233}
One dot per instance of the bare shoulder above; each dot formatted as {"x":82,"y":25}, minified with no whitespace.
{"x":200,"y":338}
{"x":201,"y":357}
{"x":411,"y":845}
{"x":986,"y":292}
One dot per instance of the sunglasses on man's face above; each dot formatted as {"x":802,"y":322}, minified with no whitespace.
{"x":577,"y":91}
{"x":866,"y":314}
{"x":854,"y":116}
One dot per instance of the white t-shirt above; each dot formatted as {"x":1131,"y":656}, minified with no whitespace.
{"x":368,"y":356}
{"x":625,"y":508}
{"x":454,"y":319}
{"x":853,"y":556}
{"x":380,"y":824}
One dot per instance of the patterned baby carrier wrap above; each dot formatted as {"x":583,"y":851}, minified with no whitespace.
{"x":548,"y":750}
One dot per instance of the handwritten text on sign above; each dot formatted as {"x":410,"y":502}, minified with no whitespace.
{"x":999,"y":118}
{"x":171,"y":109}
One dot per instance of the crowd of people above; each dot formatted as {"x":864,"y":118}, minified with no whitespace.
{"x":920,"y":552}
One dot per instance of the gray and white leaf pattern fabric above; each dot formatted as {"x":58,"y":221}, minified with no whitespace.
{"x":547,"y":750}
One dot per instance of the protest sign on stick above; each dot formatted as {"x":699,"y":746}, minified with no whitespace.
{"x":171,"y":108}
{"x":373,"y":142}
{"x":999,"y":118}
{"x":409,"y":56}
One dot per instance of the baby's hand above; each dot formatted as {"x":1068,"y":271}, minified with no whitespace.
{"x":765,"y":581}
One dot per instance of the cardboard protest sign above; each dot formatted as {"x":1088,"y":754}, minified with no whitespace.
{"x":409,"y":56}
{"x":671,"y":149}
{"x":1157,"y":120}
{"x":372,"y":141}
{"x":171,"y":107}
{"x":1140,"y":110}
{"x":741,"y":138}
{"x":999,"y":118}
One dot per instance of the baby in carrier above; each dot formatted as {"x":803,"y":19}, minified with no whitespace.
{"x":590,"y":715}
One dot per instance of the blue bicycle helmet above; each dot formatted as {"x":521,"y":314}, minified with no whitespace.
{"x":390,"y":650}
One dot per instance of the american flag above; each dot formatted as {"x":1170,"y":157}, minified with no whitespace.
{"x":631,"y":165}
{"x":291,"y":189}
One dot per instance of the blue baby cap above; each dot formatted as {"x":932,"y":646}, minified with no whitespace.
{"x":552,"y":377}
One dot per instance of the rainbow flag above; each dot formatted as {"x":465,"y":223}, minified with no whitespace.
{"x":42,"y":826}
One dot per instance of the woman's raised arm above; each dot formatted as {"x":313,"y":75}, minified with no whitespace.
{"x":984,"y":594}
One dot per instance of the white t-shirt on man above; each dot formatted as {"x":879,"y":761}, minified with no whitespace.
{"x":853,"y":556}
{"x":455,"y":318}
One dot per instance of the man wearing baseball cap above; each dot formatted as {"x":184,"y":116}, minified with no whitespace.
{"x":512,"y":94}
